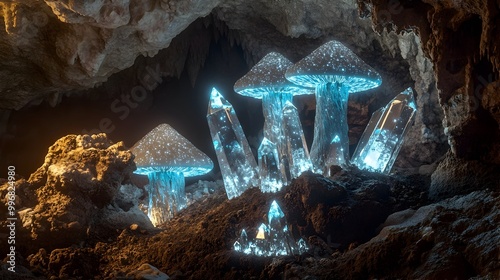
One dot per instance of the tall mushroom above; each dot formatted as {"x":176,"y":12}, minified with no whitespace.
{"x":266,"y":81}
{"x":335,"y":71}
{"x":166,"y":157}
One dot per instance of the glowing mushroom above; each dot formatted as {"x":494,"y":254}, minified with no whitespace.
{"x":166,"y":157}
{"x":335,"y":71}
{"x":266,"y":81}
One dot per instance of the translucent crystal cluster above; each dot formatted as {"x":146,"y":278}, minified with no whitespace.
{"x":266,"y":81}
{"x":166,"y":157}
{"x":272,"y":239}
{"x":296,"y":154}
{"x":269,"y":167}
{"x":334,"y":71}
{"x":236,"y":161}
{"x":383,"y":137}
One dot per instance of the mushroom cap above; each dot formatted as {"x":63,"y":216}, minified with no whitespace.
{"x":164,"y":150}
{"x":268,"y":76}
{"x":334,"y":62}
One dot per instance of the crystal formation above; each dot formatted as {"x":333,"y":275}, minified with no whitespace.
{"x":166,"y":157}
{"x":296,"y":152}
{"x":335,"y":71}
{"x":269,"y":167}
{"x":383,"y":137}
{"x":273,"y":239}
{"x":236,"y":161}
{"x":266,"y":81}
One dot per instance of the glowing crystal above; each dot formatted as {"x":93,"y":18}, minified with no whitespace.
{"x":273,"y":239}
{"x":236,"y":161}
{"x":334,"y":71}
{"x":385,"y":133}
{"x":296,"y":153}
{"x":269,"y":167}
{"x":266,"y":81}
{"x":167,"y":157}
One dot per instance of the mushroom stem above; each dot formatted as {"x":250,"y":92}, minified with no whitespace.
{"x":166,"y":196}
{"x":331,"y":143}
{"x":272,"y":107}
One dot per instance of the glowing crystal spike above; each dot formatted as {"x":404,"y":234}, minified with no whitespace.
{"x":167,"y":157}
{"x":334,"y":71}
{"x":386,"y":136}
{"x":236,"y":161}
{"x":266,"y":81}
{"x":365,"y":137}
{"x":276,"y":217}
{"x":296,"y":153}
{"x":271,"y":240}
{"x":237,"y":246}
{"x":269,"y":167}
{"x":302,"y":246}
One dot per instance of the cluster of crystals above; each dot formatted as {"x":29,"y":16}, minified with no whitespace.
{"x":334,"y":71}
{"x":236,"y":161}
{"x":382,"y":139}
{"x":273,"y":239}
{"x":166,"y":157}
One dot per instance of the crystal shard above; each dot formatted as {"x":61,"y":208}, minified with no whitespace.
{"x":334,"y":71}
{"x":236,"y":161}
{"x":273,"y":239}
{"x":385,"y":132}
{"x":365,"y":137}
{"x":167,"y":157}
{"x":269,"y":167}
{"x":296,"y":155}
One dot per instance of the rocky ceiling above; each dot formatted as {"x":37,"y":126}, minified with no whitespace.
{"x":446,"y":50}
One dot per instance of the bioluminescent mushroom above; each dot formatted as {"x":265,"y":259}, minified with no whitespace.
{"x":385,"y":133}
{"x":236,"y":161}
{"x":166,"y":157}
{"x":335,"y":71}
{"x":266,"y":81}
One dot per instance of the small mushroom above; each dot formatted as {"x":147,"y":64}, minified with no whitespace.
{"x":166,"y":157}
{"x":266,"y":81}
{"x":335,"y":71}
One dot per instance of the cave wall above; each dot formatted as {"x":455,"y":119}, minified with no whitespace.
{"x":445,"y":50}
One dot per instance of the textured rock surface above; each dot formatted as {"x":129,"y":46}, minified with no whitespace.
{"x":78,"y":46}
{"x":455,"y":238}
{"x":72,"y":195}
{"x":461,"y":40}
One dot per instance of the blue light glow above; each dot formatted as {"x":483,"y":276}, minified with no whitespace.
{"x":271,"y":240}
{"x":266,"y":81}
{"x":334,"y":71}
{"x":167,"y":157}
{"x":383,"y":137}
{"x":296,"y":153}
{"x":236,"y":161}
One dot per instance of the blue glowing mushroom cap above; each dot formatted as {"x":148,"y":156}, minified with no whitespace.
{"x":268,"y":76}
{"x":164,"y":150}
{"x":333,"y":62}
